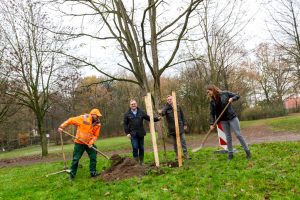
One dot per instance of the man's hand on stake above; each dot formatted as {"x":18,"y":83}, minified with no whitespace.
{"x":90,"y":145}
{"x":212,"y":127}
{"x":230,"y":100}
{"x":159,"y":111}
{"x":185,"y":127}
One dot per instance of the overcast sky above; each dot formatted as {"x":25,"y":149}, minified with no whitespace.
{"x":108,"y":55}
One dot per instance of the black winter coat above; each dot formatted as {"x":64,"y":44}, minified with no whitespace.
{"x":217,"y":107}
{"x":169,"y":113}
{"x":133,"y":125}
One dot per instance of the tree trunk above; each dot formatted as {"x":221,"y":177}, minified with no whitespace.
{"x":42,"y":134}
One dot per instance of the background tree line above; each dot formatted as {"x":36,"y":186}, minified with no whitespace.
{"x":147,"y":50}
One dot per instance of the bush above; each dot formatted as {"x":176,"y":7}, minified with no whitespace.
{"x":261,"y":112}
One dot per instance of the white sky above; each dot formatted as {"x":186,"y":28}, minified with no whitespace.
{"x":108,"y":55}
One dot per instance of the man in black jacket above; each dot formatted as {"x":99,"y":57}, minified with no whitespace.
{"x":169,"y":113}
{"x":134,"y":129}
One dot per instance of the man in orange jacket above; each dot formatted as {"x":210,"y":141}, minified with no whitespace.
{"x":88,"y":130}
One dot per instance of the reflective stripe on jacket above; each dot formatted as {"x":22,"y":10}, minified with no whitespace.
{"x":86,"y":130}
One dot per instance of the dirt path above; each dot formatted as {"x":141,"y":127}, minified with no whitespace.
{"x":253,"y":135}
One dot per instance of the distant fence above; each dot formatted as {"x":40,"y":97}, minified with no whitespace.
{"x":23,"y":141}
{"x":8,"y":145}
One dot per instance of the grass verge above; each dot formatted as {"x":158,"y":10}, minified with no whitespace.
{"x":273,"y":173}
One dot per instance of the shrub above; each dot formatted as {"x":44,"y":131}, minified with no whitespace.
{"x":261,"y":112}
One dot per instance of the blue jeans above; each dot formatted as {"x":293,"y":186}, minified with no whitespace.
{"x":137,"y":146}
{"x":233,"y":125}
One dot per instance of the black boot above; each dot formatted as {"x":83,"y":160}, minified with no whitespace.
{"x":71,"y":177}
{"x":141,"y":160}
{"x":186,"y":156}
{"x":136,"y":159}
{"x":230,"y":156}
{"x":94,"y":174}
{"x":248,"y":154}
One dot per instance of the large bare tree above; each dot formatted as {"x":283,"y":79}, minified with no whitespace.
{"x":142,"y":33}
{"x":29,"y":59}
{"x":285,"y":29}
{"x":273,"y":71}
{"x":221,"y":25}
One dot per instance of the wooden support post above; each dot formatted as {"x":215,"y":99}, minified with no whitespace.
{"x":179,"y":152}
{"x":149,"y":109}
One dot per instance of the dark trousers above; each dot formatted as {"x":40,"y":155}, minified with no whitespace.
{"x":77,"y":153}
{"x":137,"y":147}
{"x":183,"y":144}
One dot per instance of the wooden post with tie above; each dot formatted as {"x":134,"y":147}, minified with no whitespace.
{"x":178,"y":142}
{"x":149,"y":109}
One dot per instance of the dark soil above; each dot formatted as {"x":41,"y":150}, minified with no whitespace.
{"x":122,"y":168}
{"x":125,"y":167}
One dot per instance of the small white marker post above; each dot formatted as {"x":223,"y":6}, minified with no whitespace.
{"x":179,"y":154}
{"x":149,"y":109}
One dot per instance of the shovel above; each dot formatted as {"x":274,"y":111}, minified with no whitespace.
{"x":207,"y":134}
{"x":64,"y":157}
{"x":104,"y":155}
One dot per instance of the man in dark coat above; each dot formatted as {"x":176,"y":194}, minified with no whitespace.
{"x":167,"y":111}
{"x":134,"y":129}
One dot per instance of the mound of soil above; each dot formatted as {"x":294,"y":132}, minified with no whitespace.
{"x":122,"y":168}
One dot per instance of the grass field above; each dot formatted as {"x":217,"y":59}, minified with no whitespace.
{"x":288,"y":123}
{"x":273,"y":173}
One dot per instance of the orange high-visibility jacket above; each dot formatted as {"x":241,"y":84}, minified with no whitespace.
{"x":86,"y":130}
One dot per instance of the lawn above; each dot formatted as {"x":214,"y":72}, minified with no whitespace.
{"x":287,"y":123}
{"x":272,"y":173}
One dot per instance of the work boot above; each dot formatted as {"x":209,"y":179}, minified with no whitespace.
{"x":71,"y":177}
{"x":186,"y":157}
{"x":136,"y":159}
{"x":248,"y":154}
{"x":141,"y":160}
{"x":230,"y":156}
{"x":94,"y":174}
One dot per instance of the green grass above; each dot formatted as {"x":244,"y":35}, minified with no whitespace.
{"x":286,"y":123}
{"x":273,"y":173}
{"x":289,"y":123}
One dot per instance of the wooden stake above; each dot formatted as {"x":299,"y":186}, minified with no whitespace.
{"x":179,"y":154}
{"x":149,"y":109}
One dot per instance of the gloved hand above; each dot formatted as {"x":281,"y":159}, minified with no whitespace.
{"x":129,"y":136}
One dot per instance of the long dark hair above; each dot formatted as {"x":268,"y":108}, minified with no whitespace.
{"x":216,"y":91}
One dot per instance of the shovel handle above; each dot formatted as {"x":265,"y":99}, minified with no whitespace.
{"x":207,"y":134}
{"x":104,"y":155}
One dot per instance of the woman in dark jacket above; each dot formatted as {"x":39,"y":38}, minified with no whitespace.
{"x":218,"y":101}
